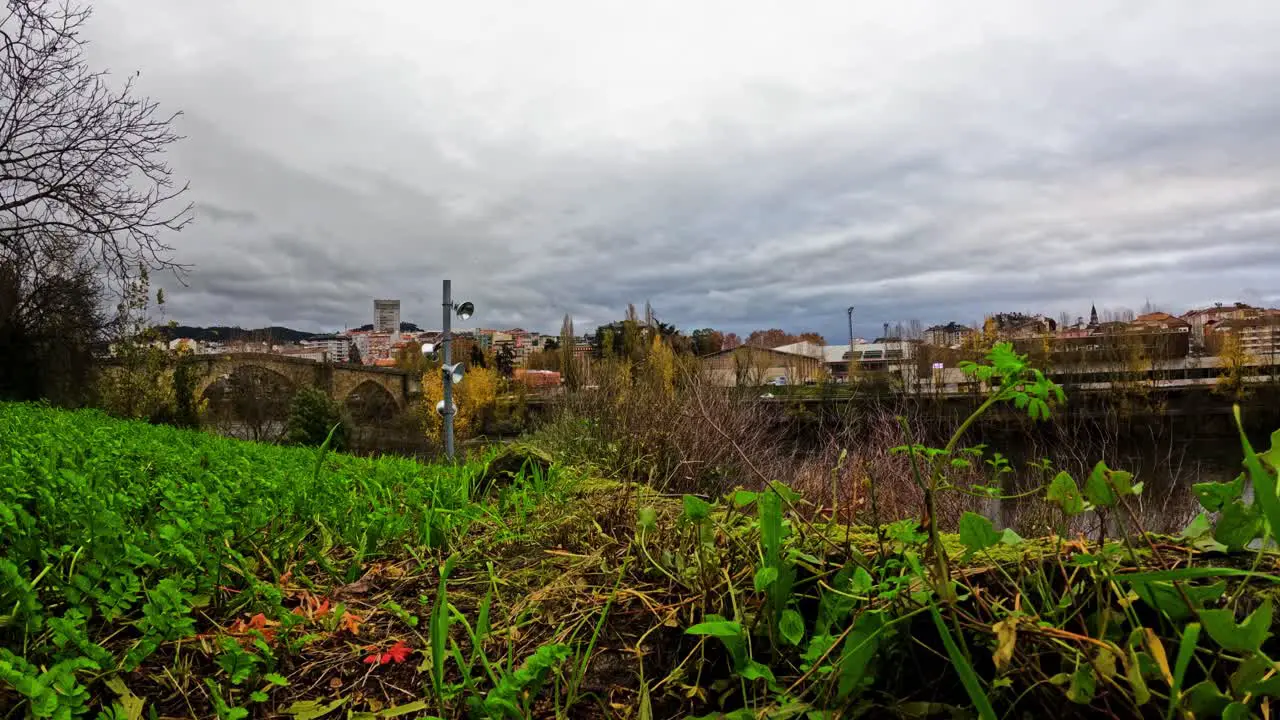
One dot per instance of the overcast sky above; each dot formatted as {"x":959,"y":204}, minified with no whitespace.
{"x":739,"y":164}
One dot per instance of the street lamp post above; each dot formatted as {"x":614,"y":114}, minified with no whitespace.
{"x":450,"y":372}
{"x":848,"y":373}
{"x":446,"y":339}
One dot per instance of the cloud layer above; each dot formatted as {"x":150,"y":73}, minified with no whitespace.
{"x":739,"y":165}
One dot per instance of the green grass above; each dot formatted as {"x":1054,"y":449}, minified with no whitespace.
{"x":153,"y":572}
{"x":116,"y":537}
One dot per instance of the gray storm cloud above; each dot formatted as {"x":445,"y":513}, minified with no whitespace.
{"x":739,"y":165}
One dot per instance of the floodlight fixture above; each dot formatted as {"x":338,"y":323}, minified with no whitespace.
{"x":465,"y":310}
{"x":453,"y":408}
{"x":454,"y":372}
{"x":428,"y":348}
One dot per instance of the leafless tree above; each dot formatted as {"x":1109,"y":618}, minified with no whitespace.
{"x":80,"y":161}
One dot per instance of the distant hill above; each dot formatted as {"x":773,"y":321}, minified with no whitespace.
{"x":273,"y":334}
{"x":223,"y":334}
{"x":404,"y":327}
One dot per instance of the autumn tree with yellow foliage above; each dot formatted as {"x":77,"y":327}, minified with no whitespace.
{"x":1233,"y":361}
{"x":475,"y":397}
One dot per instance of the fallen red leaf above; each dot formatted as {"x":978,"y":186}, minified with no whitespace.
{"x":397,"y":653}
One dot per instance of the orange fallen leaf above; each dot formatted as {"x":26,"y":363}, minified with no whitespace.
{"x":351,"y":622}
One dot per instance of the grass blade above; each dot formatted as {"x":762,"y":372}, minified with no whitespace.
{"x":968,"y":677}
{"x":1193,"y":573}
{"x":440,"y":629}
{"x":1186,"y":649}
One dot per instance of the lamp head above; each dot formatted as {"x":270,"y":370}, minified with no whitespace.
{"x":454,"y":372}
{"x":453,"y":410}
{"x":464,"y":310}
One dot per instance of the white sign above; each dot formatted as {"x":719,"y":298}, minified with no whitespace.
{"x":937,"y":366}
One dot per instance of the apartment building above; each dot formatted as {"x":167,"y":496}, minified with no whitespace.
{"x":372,"y":346}
{"x":1203,"y":320}
{"x":336,"y":348}
{"x":1259,"y":336}
{"x":953,"y":334}
{"x":386,"y":316}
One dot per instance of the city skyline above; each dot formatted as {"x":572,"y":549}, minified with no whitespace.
{"x":866,"y":328}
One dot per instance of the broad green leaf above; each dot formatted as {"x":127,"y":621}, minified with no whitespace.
{"x":1165,"y":597}
{"x":1105,"y":662}
{"x":716,"y":628}
{"x":1064,"y":493}
{"x":1272,"y":456}
{"x":1236,"y":711}
{"x":765,"y":577}
{"x":1245,"y":637}
{"x":1238,"y":525}
{"x":757,"y":671}
{"x":1248,"y":673}
{"x":860,"y":646}
{"x":1009,"y":537}
{"x":695,"y":508}
{"x":785,"y":492}
{"x":275,"y":679}
{"x":861,"y":582}
{"x":1197,"y":528}
{"x":743,"y":498}
{"x":647,"y":519}
{"x":1213,"y":495}
{"x":1133,"y":673}
{"x":1205,"y":700}
{"x":976,"y":532}
{"x":1263,"y":479}
{"x":130,"y":705}
{"x":1122,"y":482}
{"x":791,"y":627}
{"x":1083,"y":685}
{"x":1096,"y":488}
{"x":1269,"y":687}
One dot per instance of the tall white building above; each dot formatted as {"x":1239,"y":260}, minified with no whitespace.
{"x":386,"y":316}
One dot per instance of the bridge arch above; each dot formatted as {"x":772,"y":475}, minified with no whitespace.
{"x":250,"y":401}
{"x":247,"y":373}
{"x":340,"y":381}
{"x":370,"y":403}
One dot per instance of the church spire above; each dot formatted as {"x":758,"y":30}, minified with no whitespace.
{"x":1093,"y":314}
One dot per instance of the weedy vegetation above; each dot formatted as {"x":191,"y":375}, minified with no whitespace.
{"x":151,"y":572}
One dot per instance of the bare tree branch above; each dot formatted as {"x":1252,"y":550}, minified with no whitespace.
{"x":78,"y":159}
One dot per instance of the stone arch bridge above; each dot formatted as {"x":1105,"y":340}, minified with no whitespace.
{"x":340,"y":380}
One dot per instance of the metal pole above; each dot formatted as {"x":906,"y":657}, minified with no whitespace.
{"x":446,"y":339}
{"x":848,"y":372}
